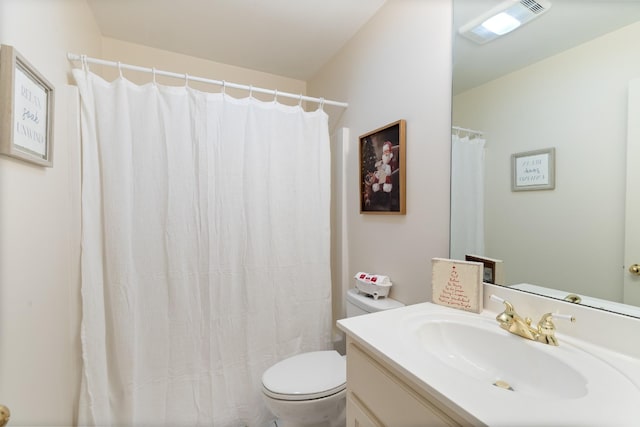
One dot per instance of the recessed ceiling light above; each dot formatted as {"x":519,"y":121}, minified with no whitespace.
{"x":501,"y":23}
{"x":502,"y":19}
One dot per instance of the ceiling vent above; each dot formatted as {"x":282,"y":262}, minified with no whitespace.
{"x":502,"y":19}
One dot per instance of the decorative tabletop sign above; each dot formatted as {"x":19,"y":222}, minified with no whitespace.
{"x":26,"y":110}
{"x":457,"y":284}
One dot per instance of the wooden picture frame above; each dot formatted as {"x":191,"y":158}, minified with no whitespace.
{"x":533,"y":170}
{"x":493,"y":270}
{"x":26,"y":110}
{"x":382,"y":155}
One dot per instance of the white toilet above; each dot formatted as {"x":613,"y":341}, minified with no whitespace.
{"x":309,"y":389}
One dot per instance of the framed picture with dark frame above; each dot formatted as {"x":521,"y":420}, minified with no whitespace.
{"x":382,"y":154}
{"x":26,"y":110}
{"x":493,"y":271}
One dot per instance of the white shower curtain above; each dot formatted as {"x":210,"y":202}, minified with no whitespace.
{"x":467,"y":196}
{"x":205,"y":251}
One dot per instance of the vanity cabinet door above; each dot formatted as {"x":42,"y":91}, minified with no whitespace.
{"x":379,"y":397}
{"x":357,"y":415}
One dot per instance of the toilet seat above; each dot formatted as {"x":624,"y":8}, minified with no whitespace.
{"x":306,"y":376}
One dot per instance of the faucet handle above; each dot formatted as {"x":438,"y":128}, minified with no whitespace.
{"x":506,"y":318}
{"x":496,"y":298}
{"x":548,"y":316}
{"x":568,"y":317}
{"x":508,"y":305}
{"x":546,"y":328}
{"x":509,"y":310}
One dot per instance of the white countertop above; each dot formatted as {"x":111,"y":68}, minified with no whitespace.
{"x":387,"y":335}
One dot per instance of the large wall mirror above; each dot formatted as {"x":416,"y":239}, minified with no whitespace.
{"x":561,"y":82}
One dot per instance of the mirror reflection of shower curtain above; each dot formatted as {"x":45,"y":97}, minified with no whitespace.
{"x":205,"y":251}
{"x":467,"y":196}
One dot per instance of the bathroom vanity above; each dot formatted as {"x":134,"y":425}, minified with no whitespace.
{"x":430,"y":365}
{"x":380,"y":395}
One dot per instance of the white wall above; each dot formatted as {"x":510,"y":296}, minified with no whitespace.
{"x":397,"y":67}
{"x":39,"y":228}
{"x":131,"y":53}
{"x":576,"y":102}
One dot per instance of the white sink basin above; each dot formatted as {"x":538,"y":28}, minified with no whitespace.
{"x":510,"y":362}
{"x":476,"y":349}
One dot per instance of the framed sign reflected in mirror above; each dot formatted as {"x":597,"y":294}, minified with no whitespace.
{"x":533,"y":170}
{"x":493,"y":269}
{"x":383,"y":170}
{"x":26,"y":110}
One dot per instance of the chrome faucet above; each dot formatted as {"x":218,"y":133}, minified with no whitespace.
{"x":544,"y":332}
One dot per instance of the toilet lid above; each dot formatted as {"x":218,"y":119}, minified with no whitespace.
{"x":306,"y":376}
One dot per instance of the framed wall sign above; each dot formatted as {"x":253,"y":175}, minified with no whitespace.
{"x":383,"y":170}
{"x":533,"y":170}
{"x":26,"y":110}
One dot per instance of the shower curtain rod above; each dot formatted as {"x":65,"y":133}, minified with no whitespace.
{"x":458,"y":128}
{"x":276,"y":93}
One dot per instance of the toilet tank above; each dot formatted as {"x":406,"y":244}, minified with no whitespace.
{"x":358,"y":304}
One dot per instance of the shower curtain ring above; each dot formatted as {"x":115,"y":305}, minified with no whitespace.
{"x":153,"y":73}
{"x":321,"y":106}
{"x":186,"y":80}
{"x":120,"y":69}
{"x":250,"y":91}
{"x":275,"y":96}
{"x":224,"y":87}
{"x":300,"y":101}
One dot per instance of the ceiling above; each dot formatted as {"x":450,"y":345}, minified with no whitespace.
{"x":566,"y":24}
{"x":295,"y":38}
{"x":291,"y":38}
